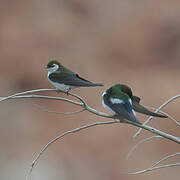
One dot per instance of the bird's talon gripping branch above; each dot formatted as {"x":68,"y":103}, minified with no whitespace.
{"x":67,"y":92}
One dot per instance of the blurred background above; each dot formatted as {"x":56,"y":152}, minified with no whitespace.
{"x":119,"y":41}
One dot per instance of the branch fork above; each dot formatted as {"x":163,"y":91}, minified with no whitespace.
{"x":115,"y":119}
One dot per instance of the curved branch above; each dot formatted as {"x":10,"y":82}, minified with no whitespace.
{"x":62,"y":135}
{"x":26,"y":92}
{"x":47,"y":97}
{"x":154,"y":168}
{"x":140,"y":142}
{"x":167,"y":114}
{"x":78,"y":97}
{"x":165,"y":158}
{"x":56,"y":112}
{"x":82,"y":103}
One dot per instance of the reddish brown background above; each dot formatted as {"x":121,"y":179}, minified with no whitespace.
{"x":133,"y":42}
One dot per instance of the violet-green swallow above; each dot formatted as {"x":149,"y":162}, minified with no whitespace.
{"x":64,"y":79}
{"x":124,"y":89}
{"x":117,"y":101}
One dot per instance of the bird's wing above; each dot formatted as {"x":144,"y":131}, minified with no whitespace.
{"x":72,"y":80}
{"x":123,"y":109}
{"x":141,"y":109}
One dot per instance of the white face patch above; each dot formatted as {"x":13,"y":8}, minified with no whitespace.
{"x":116,"y":101}
{"x":53,"y":69}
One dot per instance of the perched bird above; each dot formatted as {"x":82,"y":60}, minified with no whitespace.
{"x":119,"y":100}
{"x":64,"y":79}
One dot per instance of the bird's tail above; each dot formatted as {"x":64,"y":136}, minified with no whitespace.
{"x":141,"y":109}
{"x":96,"y":84}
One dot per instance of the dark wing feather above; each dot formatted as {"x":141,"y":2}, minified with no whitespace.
{"x":121,"y":109}
{"x":72,"y":80}
{"x":141,"y":109}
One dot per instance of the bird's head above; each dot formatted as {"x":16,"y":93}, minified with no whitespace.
{"x":53,"y":66}
{"x":120,"y":89}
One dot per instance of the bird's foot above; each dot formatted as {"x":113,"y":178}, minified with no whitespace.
{"x":67,"y":92}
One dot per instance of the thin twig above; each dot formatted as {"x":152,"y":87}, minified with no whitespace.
{"x":78,"y":97}
{"x":26,"y":92}
{"x":154,"y":168}
{"x":56,"y":112}
{"x":45,"y":97}
{"x":140,"y":142}
{"x":157,"y":110}
{"x":165,"y":158}
{"x":62,"y":135}
{"x":167,"y":114}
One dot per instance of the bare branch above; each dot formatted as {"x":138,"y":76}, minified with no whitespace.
{"x":45,"y":97}
{"x":165,"y":158}
{"x":155,"y":131}
{"x":26,"y":92}
{"x":88,"y":108}
{"x":167,"y":114}
{"x":140,"y":142}
{"x":154,"y":168}
{"x":78,"y":97}
{"x":84,"y":105}
{"x":157,"y":110}
{"x":91,"y":110}
{"x":62,"y":135}
{"x":56,"y":112}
